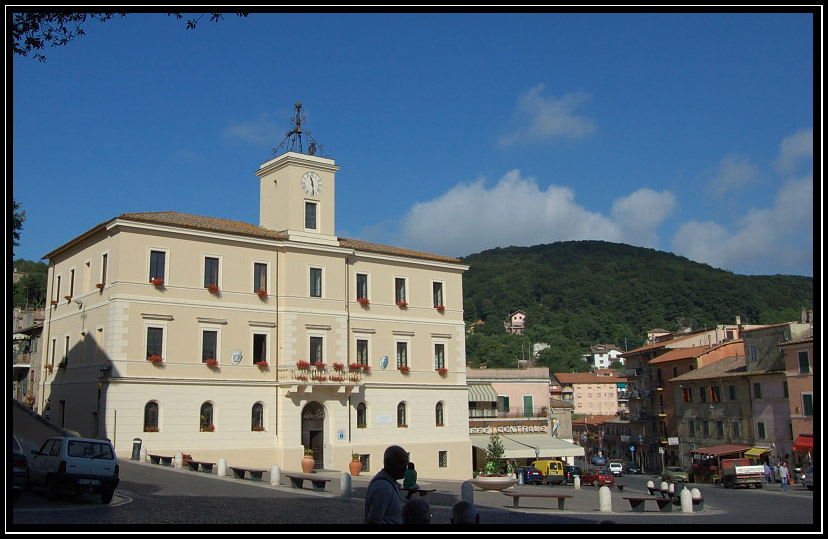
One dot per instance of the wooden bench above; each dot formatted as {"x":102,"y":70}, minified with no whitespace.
{"x":194,"y":465}
{"x":159,"y":459}
{"x":255,"y":475}
{"x":665,"y":505}
{"x":422,"y":491}
{"x":516,"y":496}
{"x":298,"y":480}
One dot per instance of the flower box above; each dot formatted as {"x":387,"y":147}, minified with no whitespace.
{"x":67,"y":298}
{"x":363,"y":301}
{"x":262,"y":293}
{"x":405,"y":369}
{"x":338,"y":366}
{"x":355,"y":367}
{"x":440,"y":308}
{"x":49,"y":367}
{"x":157,"y":282}
{"x":402,"y":304}
{"x":262,"y":364}
{"x":53,"y":302}
{"x":320,"y":366}
{"x":211,"y":363}
{"x":155,"y":359}
{"x":208,"y":428}
{"x":257,"y":428}
{"x":150,"y":429}
{"x":366,"y":368}
{"x":302,"y":364}
{"x":213,"y":288}
{"x":99,"y":286}
{"x":443,"y":371}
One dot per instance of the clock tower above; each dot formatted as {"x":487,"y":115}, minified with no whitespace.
{"x":296,"y":191}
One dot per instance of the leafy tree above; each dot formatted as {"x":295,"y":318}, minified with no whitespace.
{"x":30,"y":290}
{"x":17,"y":225}
{"x":31,"y":32}
{"x":494,"y":455}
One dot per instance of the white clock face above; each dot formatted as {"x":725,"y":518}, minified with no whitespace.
{"x":311,"y":183}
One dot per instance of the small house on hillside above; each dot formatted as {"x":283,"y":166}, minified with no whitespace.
{"x":516,"y":323}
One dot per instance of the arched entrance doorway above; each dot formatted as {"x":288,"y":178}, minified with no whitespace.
{"x":313,"y":420}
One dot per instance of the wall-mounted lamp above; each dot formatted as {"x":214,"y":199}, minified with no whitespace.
{"x":79,"y":302}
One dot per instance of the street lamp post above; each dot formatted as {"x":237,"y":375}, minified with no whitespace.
{"x":641,"y":451}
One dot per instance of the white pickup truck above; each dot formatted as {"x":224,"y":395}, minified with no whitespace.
{"x":740,"y":472}
{"x":75,"y":465}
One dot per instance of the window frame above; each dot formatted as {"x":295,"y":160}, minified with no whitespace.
{"x":362,"y":287}
{"x":401,"y":345}
{"x":316,"y":344}
{"x":439,"y":358}
{"x":207,"y":261}
{"x":438,"y":298}
{"x":261,"y":270}
{"x":402,"y":415}
{"x":217,"y":345}
{"x":151,"y":422}
{"x":400,"y":290}
{"x":160,"y":347}
{"x":315,"y":281}
{"x":799,"y":357}
{"x":152,"y":266}
{"x":311,"y":215}
{"x":254,"y":417}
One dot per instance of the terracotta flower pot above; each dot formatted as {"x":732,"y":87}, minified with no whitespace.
{"x":355,"y":466}
{"x":307,"y":463}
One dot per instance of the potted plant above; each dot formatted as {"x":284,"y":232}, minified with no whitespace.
{"x":262,"y":364}
{"x":338,"y":366}
{"x":262,"y":293}
{"x":363,"y":301}
{"x":53,"y":302}
{"x":320,"y":366}
{"x":443,"y":371}
{"x":257,"y":428}
{"x":157,"y":282}
{"x":211,"y":363}
{"x":440,"y":308}
{"x":99,"y":286}
{"x":402,"y":304}
{"x":493,"y":477}
{"x":150,"y":429}
{"x":155,"y":359}
{"x":205,"y":426}
{"x":213,"y":288}
{"x":355,"y":367}
{"x":405,"y":369}
{"x":355,"y":466}
{"x":302,"y":365}
{"x":307,"y":461}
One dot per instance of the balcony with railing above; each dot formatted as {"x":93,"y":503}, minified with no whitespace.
{"x":319,"y":376}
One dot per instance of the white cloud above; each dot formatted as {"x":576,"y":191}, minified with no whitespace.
{"x":539,"y":118}
{"x":780,"y":237}
{"x":793,"y":149}
{"x":262,"y":130}
{"x":734,"y":173}
{"x":471,"y":217}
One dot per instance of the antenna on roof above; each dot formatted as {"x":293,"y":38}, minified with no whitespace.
{"x":293,"y":138}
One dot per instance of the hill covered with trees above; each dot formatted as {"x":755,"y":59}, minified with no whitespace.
{"x":579,"y":293}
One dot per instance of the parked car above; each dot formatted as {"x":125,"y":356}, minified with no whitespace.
{"x":808,"y":478}
{"x":674,"y":474}
{"x":76,"y":465}
{"x":530,"y":474}
{"x":597,"y":476}
{"x":632,"y":468}
{"x":616,"y":468}
{"x":552,"y":470}
{"x":571,"y":472}
{"x":20,"y":469}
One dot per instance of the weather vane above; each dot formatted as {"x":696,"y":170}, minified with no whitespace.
{"x":293,"y":138}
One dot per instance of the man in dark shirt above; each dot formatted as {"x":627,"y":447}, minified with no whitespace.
{"x":383,"y":501}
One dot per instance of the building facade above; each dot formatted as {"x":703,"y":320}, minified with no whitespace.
{"x":799,"y":371}
{"x":224,"y":339}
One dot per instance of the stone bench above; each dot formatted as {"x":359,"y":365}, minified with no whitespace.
{"x":665,"y":505}
{"x":160,"y":459}
{"x":194,"y":465}
{"x":297,"y":480}
{"x":516,"y":496}
{"x":239,"y":473}
{"x":421,"y":491}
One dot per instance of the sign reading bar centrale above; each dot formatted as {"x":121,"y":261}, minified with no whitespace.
{"x":507,"y":429}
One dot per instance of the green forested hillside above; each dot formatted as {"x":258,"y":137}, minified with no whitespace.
{"x":580,"y":293}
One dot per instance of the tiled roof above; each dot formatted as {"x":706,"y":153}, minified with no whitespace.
{"x":808,"y":336}
{"x":217,"y":224}
{"x":725,"y":367}
{"x":507,"y":374}
{"x":686,"y":353}
{"x":585,"y":378}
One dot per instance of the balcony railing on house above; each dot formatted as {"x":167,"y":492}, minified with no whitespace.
{"x":23,"y":359}
{"x":322,"y":377}
{"x":512,"y":413}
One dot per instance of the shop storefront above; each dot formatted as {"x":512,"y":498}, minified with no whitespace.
{"x":523,"y":442}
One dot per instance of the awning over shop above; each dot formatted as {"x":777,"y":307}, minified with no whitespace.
{"x":523,"y":446}
{"x":482,"y":393}
{"x":804,"y":442}
{"x":756,"y":451}
{"x":20,"y":336}
{"x":717,"y":450}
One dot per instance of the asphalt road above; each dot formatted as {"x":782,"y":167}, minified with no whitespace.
{"x":153,"y":496}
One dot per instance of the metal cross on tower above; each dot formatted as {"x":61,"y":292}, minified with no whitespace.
{"x":293,"y":138}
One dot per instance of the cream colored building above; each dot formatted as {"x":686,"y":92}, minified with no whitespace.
{"x":278,"y":294}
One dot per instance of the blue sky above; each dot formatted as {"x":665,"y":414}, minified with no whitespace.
{"x":455,"y":133}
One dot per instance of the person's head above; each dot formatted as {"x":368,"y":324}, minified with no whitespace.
{"x":464,"y":512}
{"x":395,"y":461}
{"x":416,"y":511}
{"x":410,"y":465}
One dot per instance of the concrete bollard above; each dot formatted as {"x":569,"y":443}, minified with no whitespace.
{"x":222,"y":467}
{"x":698,"y":502}
{"x":650,"y":487}
{"x":467,"y":491}
{"x":686,"y":501}
{"x":144,"y":454}
{"x":275,"y":475}
{"x":345,"y":486}
{"x":671,"y":490}
{"x":664,"y":486}
{"x":179,"y":459}
{"x":576,"y":482}
{"x":604,"y":500}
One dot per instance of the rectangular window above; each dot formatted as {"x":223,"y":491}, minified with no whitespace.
{"x":752,"y":353}
{"x":808,"y":404}
{"x":104,"y":259}
{"x":731,"y":390}
{"x":65,"y":359}
{"x":691,"y":428}
{"x":315,"y":282}
{"x":362,"y":351}
{"x":760,"y":430}
{"x":686,"y":394}
{"x":157,"y":264}
{"x":528,"y":406}
{"x":804,"y":361}
{"x":57,"y":288}
{"x":362,"y":286}
{"x":737,"y":430}
{"x":719,"y":428}
{"x":442,"y":459}
{"x":714,"y":394}
{"x":209,"y":345}
{"x":87,"y":274}
{"x":437,"y":294}
{"x":259,"y":277}
{"x":439,"y":356}
{"x":310,"y":215}
{"x":757,"y":390}
{"x":211,"y":271}
{"x":785,"y":388}
{"x":316,"y":351}
{"x":71,"y":283}
{"x":399,"y":290}
{"x":402,"y":354}
{"x":705,"y":428}
{"x":703,"y":394}
{"x":259,"y":347}
{"x":155,"y":342}
{"x":502,"y":403}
